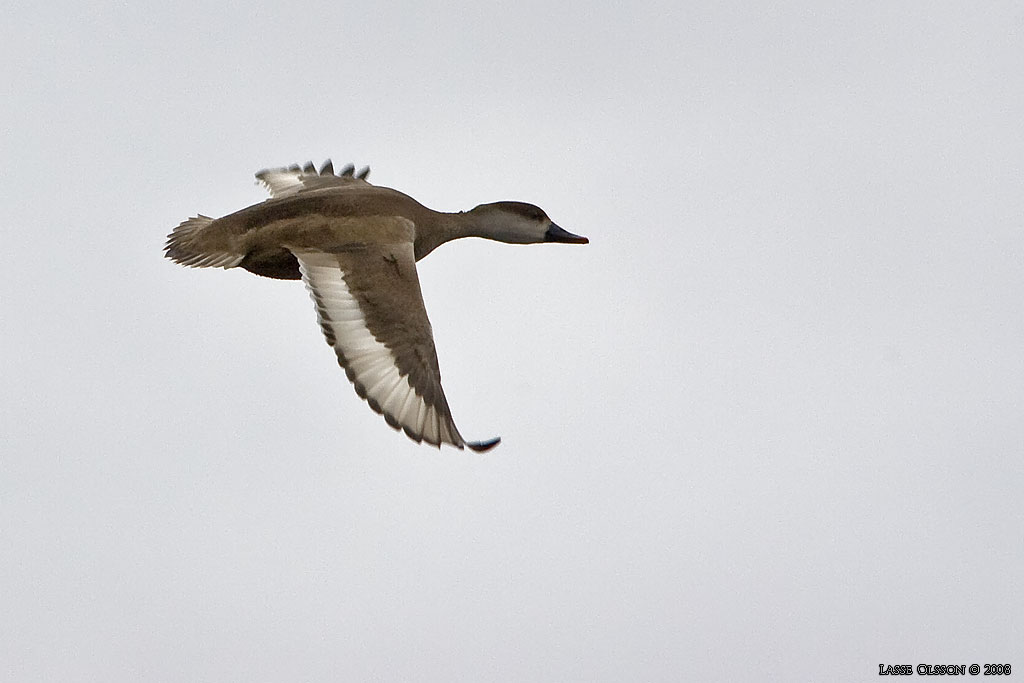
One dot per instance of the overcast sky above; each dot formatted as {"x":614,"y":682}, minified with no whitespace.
{"x":768,"y":425}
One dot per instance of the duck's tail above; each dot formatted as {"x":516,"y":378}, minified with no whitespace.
{"x":192,"y":244}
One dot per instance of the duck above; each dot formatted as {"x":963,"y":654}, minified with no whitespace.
{"x":355,"y":246}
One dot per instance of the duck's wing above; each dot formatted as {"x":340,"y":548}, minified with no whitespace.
{"x":285,"y":182}
{"x":371,"y":311}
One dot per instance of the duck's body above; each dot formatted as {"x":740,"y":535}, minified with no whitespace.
{"x":356,"y":245}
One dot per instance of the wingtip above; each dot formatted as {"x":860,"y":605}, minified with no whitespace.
{"x":484,"y":446}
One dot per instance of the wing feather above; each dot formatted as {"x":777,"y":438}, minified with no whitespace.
{"x":285,"y":182}
{"x":383,"y":341}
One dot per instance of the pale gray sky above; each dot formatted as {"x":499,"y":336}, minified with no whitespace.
{"x":768,"y":425}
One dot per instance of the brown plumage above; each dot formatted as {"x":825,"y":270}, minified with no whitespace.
{"x":356,"y":245}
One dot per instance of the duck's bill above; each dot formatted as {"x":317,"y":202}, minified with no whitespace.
{"x":557,"y":234}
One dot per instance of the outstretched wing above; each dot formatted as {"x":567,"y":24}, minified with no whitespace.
{"x":285,"y":182}
{"x":370,"y":309}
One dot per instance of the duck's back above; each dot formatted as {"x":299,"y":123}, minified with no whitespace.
{"x":258,"y":233}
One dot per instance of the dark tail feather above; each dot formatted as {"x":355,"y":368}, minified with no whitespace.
{"x":190,"y":245}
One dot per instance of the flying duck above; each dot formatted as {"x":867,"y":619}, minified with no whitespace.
{"x":355,"y":245}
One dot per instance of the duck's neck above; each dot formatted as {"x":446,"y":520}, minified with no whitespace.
{"x":445,"y":227}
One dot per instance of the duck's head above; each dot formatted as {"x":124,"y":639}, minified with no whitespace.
{"x":520,"y":223}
